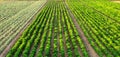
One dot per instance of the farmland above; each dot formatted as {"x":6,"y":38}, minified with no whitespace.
{"x":60,"y":28}
{"x":10,"y":28}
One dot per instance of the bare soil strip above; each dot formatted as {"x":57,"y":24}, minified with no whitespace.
{"x":3,"y":54}
{"x":89,"y":48}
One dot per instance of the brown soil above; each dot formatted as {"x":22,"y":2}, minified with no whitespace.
{"x":89,"y":48}
{"x":3,"y":54}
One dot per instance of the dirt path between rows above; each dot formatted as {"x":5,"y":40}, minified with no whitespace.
{"x":3,"y":54}
{"x":89,"y":48}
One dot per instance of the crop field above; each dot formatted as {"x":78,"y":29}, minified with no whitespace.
{"x":10,"y":26}
{"x":59,"y":28}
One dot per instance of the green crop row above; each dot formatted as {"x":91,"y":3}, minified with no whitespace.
{"x":52,"y":34}
{"x":9,"y":9}
{"x":11,"y":27}
{"x":100,"y":30}
{"x":108,"y":8}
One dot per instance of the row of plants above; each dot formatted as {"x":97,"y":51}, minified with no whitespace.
{"x":51,"y":34}
{"x":101,"y":31}
{"x":109,"y":8}
{"x":29,"y":35}
{"x":73,"y":41}
{"x":10,"y":28}
{"x":9,"y":9}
